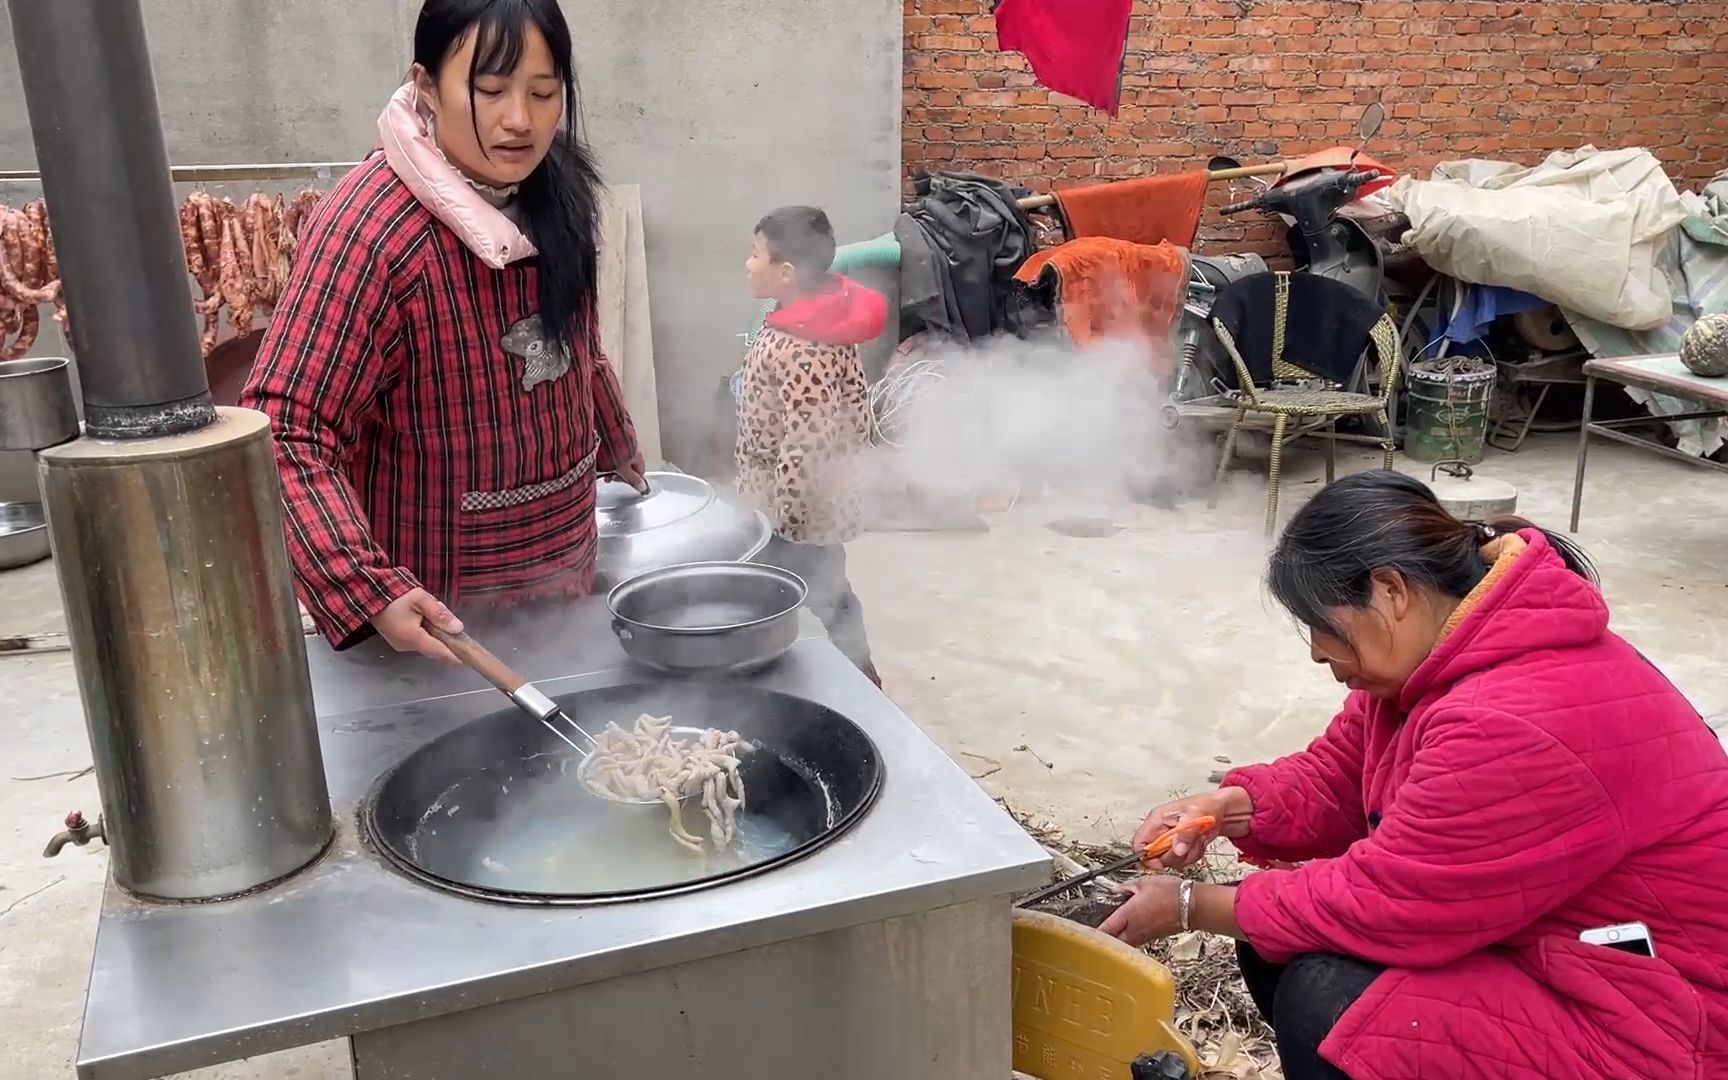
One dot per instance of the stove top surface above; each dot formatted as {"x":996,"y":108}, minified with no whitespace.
{"x":352,"y":945}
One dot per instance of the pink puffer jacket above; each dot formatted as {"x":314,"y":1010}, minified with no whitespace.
{"x":1538,"y":778}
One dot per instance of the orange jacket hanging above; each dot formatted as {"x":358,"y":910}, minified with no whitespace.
{"x":1111,"y":288}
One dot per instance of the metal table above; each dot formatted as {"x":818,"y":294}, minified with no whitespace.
{"x":1507,"y":433}
{"x":887,"y":948}
{"x":1661,"y":373}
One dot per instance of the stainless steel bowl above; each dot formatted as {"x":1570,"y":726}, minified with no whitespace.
{"x":681,"y":520}
{"x":728,"y":618}
{"x":23,"y":534}
{"x":37,"y":409}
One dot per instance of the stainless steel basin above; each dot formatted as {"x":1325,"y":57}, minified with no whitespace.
{"x":727,"y":618}
{"x":23,"y":534}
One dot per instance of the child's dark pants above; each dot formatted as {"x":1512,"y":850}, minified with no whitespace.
{"x":823,"y":568}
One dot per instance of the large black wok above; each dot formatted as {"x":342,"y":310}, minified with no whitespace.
{"x":494,"y":808}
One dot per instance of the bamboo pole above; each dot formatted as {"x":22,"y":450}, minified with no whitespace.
{"x":1270,"y":168}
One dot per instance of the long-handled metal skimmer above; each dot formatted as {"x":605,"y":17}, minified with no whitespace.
{"x":525,"y":694}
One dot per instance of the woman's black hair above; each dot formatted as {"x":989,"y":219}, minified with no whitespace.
{"x":560,"y":199}
{"x":1384,"y":520}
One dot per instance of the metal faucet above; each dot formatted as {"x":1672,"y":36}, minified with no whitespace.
{"x":78,"y":831}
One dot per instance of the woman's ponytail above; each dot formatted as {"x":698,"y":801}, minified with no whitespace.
{"x":1564,"y":546}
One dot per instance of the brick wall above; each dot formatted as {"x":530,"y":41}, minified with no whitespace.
{"x":1261,"y":79}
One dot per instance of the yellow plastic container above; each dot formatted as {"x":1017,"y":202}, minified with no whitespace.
{"x":1086,"y":1005}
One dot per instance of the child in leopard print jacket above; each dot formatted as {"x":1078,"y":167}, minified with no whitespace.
{"x":804,"y":412}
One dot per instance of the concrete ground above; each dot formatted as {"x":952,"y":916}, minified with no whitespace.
{"x":1080,"y":679}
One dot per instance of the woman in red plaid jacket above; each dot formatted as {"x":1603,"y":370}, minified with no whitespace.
{"x":433,"y":376}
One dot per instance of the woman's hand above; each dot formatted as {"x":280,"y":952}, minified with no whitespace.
{"x":1153,"y":910}
{"x":1150,"y":912}
{"x":402,"y":625}
{"x":634,"y":472}
{"x":1230,"y":808}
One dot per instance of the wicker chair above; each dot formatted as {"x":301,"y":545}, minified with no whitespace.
{"x":1315,"y":407}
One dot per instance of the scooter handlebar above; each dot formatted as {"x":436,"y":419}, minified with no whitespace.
{"x":1351,"y":179}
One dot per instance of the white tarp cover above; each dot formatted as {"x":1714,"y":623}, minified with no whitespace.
{"x":1582,"y":230}
{"x":1695,"y":260}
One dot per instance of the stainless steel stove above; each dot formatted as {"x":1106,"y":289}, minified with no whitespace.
{"x":884,"y":954}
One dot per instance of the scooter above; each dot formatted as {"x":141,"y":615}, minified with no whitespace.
{"x":1310,"y":196}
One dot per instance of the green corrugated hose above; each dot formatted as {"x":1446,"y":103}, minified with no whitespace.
{"x":867,"y":254}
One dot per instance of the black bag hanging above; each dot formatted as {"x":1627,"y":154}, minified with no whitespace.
{"x":961,"y":243}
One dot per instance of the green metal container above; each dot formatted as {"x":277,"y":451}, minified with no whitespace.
{"x":1446,"y":410}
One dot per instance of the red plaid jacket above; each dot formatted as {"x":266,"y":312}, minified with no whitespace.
{"x":410,"y":450}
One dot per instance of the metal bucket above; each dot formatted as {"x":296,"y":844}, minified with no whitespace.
{"x":1446,"y":416}
{"x":190,"y":658}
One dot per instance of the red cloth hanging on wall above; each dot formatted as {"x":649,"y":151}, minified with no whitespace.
{"x":1075,"y":46}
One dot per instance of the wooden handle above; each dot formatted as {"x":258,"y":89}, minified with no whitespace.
{"x":478,"y":658}
{"x":1270,"y":168}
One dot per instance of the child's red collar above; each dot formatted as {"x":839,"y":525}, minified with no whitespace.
{"x":842,"y":312}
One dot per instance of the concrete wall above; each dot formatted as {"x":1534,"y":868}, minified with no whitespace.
{"x":719,"y":110}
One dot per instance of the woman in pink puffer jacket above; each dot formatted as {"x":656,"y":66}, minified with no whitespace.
{"x":1506,"y":774}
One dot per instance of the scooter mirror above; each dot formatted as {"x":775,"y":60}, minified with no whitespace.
{"x":1372,"y":118}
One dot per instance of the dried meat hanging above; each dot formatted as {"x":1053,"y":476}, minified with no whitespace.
{"x":29,"y":277}
{"x":201,"y":234}
{"x":239,"y":255}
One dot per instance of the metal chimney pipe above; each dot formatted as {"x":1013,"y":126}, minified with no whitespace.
{"x":165,"y":519}
{"x":91,"y":97}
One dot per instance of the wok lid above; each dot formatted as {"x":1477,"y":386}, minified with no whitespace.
{"x":682,"y":519}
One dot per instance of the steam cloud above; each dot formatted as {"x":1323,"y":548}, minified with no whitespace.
{"x":1013,"y":415}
